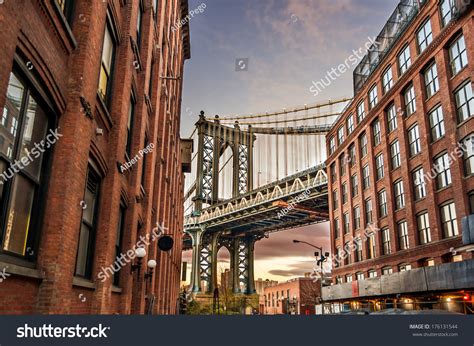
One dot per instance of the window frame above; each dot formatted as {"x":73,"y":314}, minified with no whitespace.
{"x":31,"y":90}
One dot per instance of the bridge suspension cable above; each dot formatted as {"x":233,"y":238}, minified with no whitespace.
{"x":276,"y":121}
{"x":284,"y":111}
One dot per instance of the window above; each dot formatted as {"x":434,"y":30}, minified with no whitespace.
{"x":340,"y":135}
{"x":403,"y":242}
{"x":437,"y":124}
{"x":471,"y":202}
{"x":429,"y":262}
{"x":424,"y":36}
{"x":339,"y":258}
{"x":352,"y":155}
{"x":464,"y":102}
{"x":363,"y":145}
{"x":155,"y":9}
{"x":108,"y":52}
{"x":387,"y":80}
{"x":404,"y":60}
{"x":348,"y":278}
{"x":410,"y":102}
{"x":144,"y":161}
{"x":457,"y":55}
{"x":360,"y":276}
{"x":332,"y":145}
{"x":130,"y":121}
{"x":383,"y":203}
{"x":336,"y":228}
{"x":419,"y":184}
{"x":355,"y":185}
{"x":22,"y":190}
{"x":448,"y":220}
{"x":356,"y":216}
{"x":395,"y":154}
{"x":423,"y":226}
{"x":118,"y":241}
{"x":344,"y":193}
{"x":360,"y":111}
{"x":431,"y":81}
{"x":371,"y":246}
{"x":150,"y":78}
{"x":404,"y":267}
{"x":346,"y":223}
{"x":386,"y":242}
{"x":333,"y":172}
{"x":391,"y":118}
{"x":379,"y":166}
{"x":358,"y":250}
{"x":372,"y":273}
{"x":414,"y":140}
{"x":335,"y":200}
{"x":85,"y":249}
{"x":373,"y":97}
{"x":443,"y":178}
{"x":366,"y":177}
{"x":376,"y":132}
{"x":350,"y":124}
{"x":447,"y":8}
{"x":338,"y":280}
{"x":387,"y":270}
{"x":67,"y":7}
{"x":342,"y":165}
{"x":399,"y":195}
{"x":468,"y":153}
{"x":139,"y":25}
{"x":368,"y":211}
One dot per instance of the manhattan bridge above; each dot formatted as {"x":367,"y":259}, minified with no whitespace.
{"x":252,"y":175}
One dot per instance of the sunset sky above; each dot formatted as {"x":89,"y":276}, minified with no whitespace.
{"x":288,"y":44}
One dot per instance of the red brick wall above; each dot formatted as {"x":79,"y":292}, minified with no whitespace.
{"x":68,"y":71}
{"x":461,"y":185}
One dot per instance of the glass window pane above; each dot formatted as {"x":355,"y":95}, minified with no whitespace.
{"x":10,"y":116}
{"x":36,"y":123}
{"x":18,"y":216}
{"x":82,"y":251}
{"x":89,"y":211}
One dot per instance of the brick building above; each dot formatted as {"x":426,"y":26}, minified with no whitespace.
{"x":399,"y":181}
{"x":294,"y":297}
{"x":105,"y":75}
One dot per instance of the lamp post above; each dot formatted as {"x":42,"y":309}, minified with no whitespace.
{"x":139,"y":253}
{"x":151,"y":266}
{"x":320,"y":261}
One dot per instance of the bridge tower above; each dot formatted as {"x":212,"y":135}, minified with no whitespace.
{"x":213,"y":140}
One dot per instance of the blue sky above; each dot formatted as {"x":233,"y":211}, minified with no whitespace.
{"x":289,"y":44}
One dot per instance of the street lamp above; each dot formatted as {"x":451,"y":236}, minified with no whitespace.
{"x":151,"y":266}
{"x":320,"y":261}
{"x":139,"y":253}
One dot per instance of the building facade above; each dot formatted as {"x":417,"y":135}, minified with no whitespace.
{"x":294,"y":297}
{"x":90,"y":155}
{"x":400,"y":164}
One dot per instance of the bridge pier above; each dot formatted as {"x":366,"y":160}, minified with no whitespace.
{"x":196,"y":237}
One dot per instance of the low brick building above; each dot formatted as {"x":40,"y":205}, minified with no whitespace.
{"x":106,"y":76}
{"x":400,"y":163}
{"x":298,"y":296}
